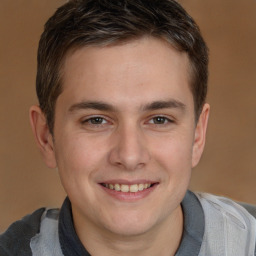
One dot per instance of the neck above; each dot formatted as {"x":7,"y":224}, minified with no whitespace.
{"x":163,"y":239}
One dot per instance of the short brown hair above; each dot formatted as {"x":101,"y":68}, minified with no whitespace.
{"x":81,"y":23}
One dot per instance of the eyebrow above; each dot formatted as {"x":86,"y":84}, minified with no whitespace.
{"x":97,"y":105}
{"x":155,"y":105}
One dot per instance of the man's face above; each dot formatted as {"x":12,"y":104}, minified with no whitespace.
{"x":124,"y":135}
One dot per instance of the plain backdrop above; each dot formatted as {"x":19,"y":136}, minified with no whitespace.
{"x":228,"y":166}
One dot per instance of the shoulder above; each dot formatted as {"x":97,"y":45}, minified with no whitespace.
{"x":250,"y":208}
{"x":16,"y":239}
{"x":226,"y":223}
{"x":226,"y":204}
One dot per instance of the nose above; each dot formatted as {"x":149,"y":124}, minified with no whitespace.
{"x":130,"y":149}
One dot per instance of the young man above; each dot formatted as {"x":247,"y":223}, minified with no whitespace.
{"x":122,"y":115}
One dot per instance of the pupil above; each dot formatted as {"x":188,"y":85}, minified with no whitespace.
{"x":96,"y":120}
{"x":159,"y":120}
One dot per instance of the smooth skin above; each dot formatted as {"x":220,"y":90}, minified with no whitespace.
{"x":126,"y":115}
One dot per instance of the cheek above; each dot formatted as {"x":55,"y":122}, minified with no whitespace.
{"x":175,"y":159}
{"x":78,"y":163}
{"x":77,"y":158}
{"x":175,"y":153}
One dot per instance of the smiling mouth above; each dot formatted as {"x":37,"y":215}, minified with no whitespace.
{"x":128,"y":188}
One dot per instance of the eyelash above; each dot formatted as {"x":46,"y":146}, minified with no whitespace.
{"x":94,"y":118}
{"x":163,"y":118}
{"x":101,"y":121}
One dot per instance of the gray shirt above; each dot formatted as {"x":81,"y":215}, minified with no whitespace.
{"x":22,"y":237}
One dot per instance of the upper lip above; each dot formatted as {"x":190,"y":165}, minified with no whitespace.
{"x":129,"y":182}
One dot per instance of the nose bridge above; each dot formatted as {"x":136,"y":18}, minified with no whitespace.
{"x":130,"y":150}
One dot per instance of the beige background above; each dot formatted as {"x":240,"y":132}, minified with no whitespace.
{"x":228,"y":166}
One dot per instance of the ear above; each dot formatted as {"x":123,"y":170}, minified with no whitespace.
{"x":200,"y":134}
{"x":42,"y":135}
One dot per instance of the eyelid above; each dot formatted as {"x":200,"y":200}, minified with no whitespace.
{"x":167,"y":117}
{"x":86,"y":119}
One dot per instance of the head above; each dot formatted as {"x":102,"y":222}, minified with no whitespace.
{"x":81,"y":23}
{"x":120,"y":86}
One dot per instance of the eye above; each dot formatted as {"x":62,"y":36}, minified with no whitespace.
{"x":160,"y":120}
{"x":97,"y":120}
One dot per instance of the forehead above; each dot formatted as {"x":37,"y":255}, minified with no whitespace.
{"x":147,"y":66}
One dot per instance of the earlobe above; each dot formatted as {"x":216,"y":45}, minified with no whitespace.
{"x":42,"y":135}
{"x":200,"y":135}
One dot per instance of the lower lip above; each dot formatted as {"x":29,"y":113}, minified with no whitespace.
{"x":129,"y":196}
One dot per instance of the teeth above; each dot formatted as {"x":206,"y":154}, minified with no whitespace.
{"x":117,"y":187}
{"x":141,"y":187}
{"x":134,"y":188}
{"x":128,"y":188}
{"x":124,"y":188}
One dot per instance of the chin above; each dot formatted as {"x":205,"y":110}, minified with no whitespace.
{"x":131,"y":225}
{"x":129,"y":230}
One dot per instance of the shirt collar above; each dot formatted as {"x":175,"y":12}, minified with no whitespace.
{"x":193,"y":231}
